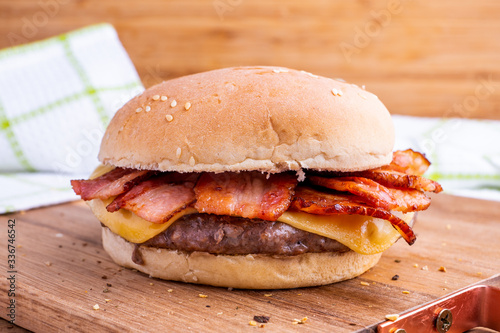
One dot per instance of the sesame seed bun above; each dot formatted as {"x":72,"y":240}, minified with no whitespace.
{"x":252,"y":271}
{"x":250,"y":118}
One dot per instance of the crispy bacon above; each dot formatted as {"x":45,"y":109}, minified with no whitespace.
{"x":155,"y":200}
{"x":408,"y":161}
{"x":400,"y":199}
{"x":393,"y":178}
{"x":113,"y":183}
{"x":314,"y":202}
{"x":246,"y":194}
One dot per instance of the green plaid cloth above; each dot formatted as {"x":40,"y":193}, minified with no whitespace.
{"x":56,"y":98}
{"x":465,"y":153}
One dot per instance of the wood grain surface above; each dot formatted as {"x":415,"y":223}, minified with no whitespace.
{"x":425,"y":58}
{"x":63,"y":272}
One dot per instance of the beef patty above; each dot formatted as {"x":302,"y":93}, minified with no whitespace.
{"x":236,"y":236}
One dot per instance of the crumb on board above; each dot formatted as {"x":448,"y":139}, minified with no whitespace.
{"x":392,"y":317}
{"x":96,"y":307}
{"x":202,"y":296}
{"x":442,"y":269}
{"x":261,"y":319}
{"x":299,"y":321}
{"x":363,"y":283}
{"x":406,"y":292}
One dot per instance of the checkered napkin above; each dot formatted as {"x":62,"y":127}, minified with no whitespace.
{"x":465,"y":153}
{"x":56,"y":99}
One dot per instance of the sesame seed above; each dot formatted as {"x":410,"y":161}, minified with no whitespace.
{"x":362,"y":96}
{"x":187,"y":106}
{"x":156,"y":97}
{"x":339,"y":79}
{"x":191,"y":161}
{"x":337,"y":92}
{"x":363,"y":87}
{"x":174,"y":103}
{"x":164,"y":98}
{"x":169,"y":117}
{"x":148,"y":108}
{"x":276,"y":70}
{"x":138,"y":110}
{"x":178,"y":152}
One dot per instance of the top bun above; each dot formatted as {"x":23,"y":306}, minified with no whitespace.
{"x":270,"y":119}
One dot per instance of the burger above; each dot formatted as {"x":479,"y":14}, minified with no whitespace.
{"x":254,"y":177}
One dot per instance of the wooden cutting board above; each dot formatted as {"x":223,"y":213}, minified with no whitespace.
{"x":63,"y":272}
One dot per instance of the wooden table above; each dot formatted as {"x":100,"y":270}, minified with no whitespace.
{"x":420,"y":57}
{"x":63,"y":272}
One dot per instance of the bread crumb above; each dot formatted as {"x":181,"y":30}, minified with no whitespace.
{"x":252,"y":323}
{"x":169,"y":290}
{"x":96,"y":307}
{"x":299,"y":321}
{"x":202,"y":296}
{"x":442,"y":269}
{"x":151,"y":284}
{"x":425,"y":268}
{"x":406,"y":292}
{"x":415,"y":265}
{"x":268,"y":295}
{"x":363,"y":283}
{"x":448,"y":226}
{"x":107,"y":300}
{"x":48,"y":263}
{"x":392,"y":317}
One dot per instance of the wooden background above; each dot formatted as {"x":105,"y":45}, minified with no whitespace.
{"x":420,"y":57}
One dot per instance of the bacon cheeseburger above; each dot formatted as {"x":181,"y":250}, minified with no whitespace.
{"x":254,"y":177}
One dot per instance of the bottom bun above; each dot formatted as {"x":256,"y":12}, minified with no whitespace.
{"x":252,"y":271}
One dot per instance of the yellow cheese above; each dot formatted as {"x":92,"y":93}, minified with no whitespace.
{"x":130,"y":226}
{"x":363,"y":234}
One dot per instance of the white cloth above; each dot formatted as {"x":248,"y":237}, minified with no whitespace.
{"x":465,"y":153}
{"x":56,"y":99}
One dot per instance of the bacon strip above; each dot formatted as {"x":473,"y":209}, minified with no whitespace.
{"x":155,"y":200}
{"x":113,"y":183}
{"x":393,"y":178}
{"x":320,"y":203}
{"x":404,"y":200}
{"x":408,"y":161}
{"x":246,"y":194}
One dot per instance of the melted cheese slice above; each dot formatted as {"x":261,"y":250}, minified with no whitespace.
{"x":362,"y":234}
